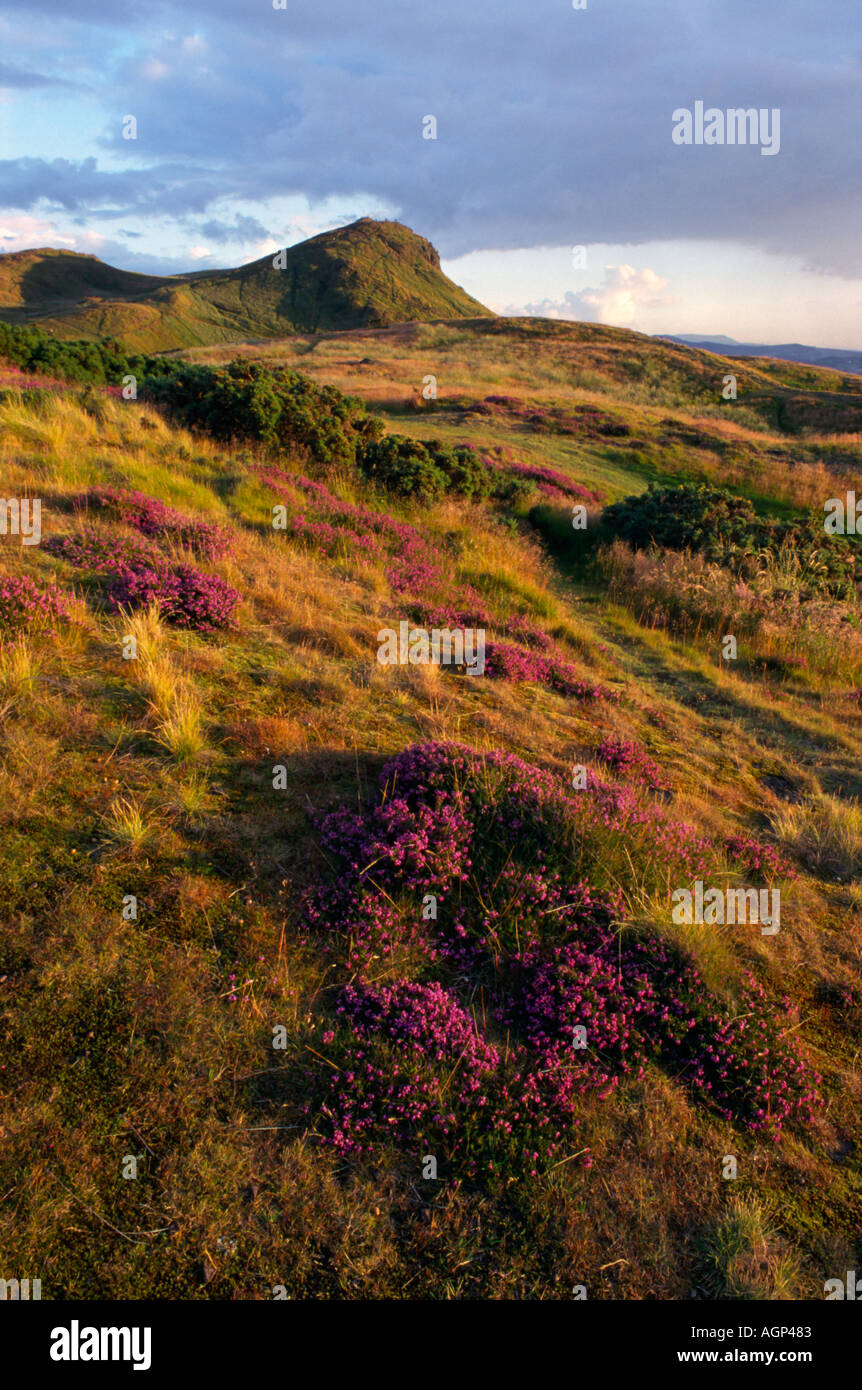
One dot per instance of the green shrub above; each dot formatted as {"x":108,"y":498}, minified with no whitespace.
{"x":728,"y":531}
{"x":273,"y":405}
{"x":425,"y":469}
{"x":34,"y":350}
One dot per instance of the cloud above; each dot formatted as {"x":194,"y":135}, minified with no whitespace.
{"x":241,"y":229}
{"x":623,"y":294}
{"x":80,"y":185}
{"x":19,"y":233}
{"x":554,"y":125}
{"x":17,"y":77}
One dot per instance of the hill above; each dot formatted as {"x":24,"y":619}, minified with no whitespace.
{"x":282,"y":922}
{"x":532,"y":369}
{"x":369,"y":273}
{"x":836,"y":359}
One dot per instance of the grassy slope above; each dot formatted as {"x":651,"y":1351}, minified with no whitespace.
{"x":123,"y":1038}
{"x":367,"y":273}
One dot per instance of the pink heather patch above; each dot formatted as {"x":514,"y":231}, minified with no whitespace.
{"x":630,"y":760}
{"x":186,"y":596}
{"x":482,"y":1054}
{"x":139,"y":575}
{"x":24,"y":604}
{"x":154,"y":518}
{"x":748,"y":853}
{"x":554,"y":482}
{"x":506,"y":662}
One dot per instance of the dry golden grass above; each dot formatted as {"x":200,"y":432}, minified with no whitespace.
{"x":158,"y":1031}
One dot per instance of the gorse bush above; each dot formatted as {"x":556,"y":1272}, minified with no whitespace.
{"x":727,"y":531}
{"x":282,"y":409}
{"x":39,"y":352}
{"x":272,"y":405}
{"x":425,"y":469}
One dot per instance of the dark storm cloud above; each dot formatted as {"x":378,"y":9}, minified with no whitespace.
{"x":554,"y":125}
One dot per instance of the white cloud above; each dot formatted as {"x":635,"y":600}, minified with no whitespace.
{"x":623,"y":295}
{"x":20,"y":232}
{"x":155,"y":69}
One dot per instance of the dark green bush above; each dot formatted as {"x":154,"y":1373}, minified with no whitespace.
{"x":273,"y":405}
{"x":727,"y":530}
{"x":398,"y":464}
{"x":34,"y":350}
{"x":424,"y":468}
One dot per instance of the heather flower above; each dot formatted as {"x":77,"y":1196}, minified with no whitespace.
{"x":187,"y":597}
{"x":104,"y":552}
{"x":24,"y":604}
{"x":139,"y":574}
{"x":630,"y":759}
{"x":750,"y":855}
{"x":155,"y":519}
{"x":508,"y":662}
{"x":554,"y":483}
{"x":490,"y":838}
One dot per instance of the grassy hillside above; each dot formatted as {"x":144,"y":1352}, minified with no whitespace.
{"x":615,"y":405}
{"x":367,"y":273}
{"x":281,"y":1067}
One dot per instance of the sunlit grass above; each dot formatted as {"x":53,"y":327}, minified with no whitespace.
{"x":743,"y":1255}
{"x":127,"y":826}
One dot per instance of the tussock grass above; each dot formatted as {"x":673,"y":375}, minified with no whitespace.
{"x":825,"y":833}
{"x":180,"y":729}
{"x":744,"y":1256}
{"x":20,"y":667}
{"x":175,"y":706}
{"x":127,"y":826}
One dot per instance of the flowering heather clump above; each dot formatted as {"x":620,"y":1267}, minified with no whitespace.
{"x":539,"y":957}
{"x":414,"y":572}
{"x":13,"y":378}
{"x":619,"y":811}
{"x":24,"y":604}
{"x":346,"y":526}
{"x":523,"y":629}
{"x":423,"y":1017}
{"x":140,"y":575}
{"x":155,"y":519}
{"x":332,"y":540}
{"x":630,"y":760}
{"x":507,"y":662}
{"x":749,"y":854}
{"x":438,"y":1066}
{"x":548,"y":479}
{"x":186,"y":596}
{"x":103,"y":552}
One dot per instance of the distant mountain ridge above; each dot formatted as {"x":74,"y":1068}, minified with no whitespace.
{"x":838,"y":359}
{"x":368,"y":274}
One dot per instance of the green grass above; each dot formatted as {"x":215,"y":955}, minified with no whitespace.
{"x":151,"y":1035}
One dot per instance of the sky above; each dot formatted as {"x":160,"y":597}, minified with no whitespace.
{"x":559,"y":182}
